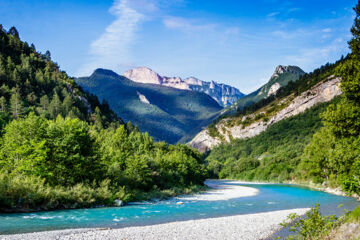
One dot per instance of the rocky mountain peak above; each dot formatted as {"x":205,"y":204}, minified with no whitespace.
{"x":290,"y":69}
{"x":143,"y":75}
{"x":193,"y":81}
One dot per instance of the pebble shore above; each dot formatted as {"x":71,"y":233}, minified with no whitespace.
{"x":240,"y":227}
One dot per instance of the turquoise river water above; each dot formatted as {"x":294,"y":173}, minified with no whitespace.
{"x":271,"y":197}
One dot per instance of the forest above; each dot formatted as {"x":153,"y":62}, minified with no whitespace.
{"x":61,"y":148}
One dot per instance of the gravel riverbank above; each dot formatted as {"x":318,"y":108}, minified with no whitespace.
{"x":240,"y":227}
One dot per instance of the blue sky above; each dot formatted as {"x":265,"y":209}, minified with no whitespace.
{"x":236,"y":42}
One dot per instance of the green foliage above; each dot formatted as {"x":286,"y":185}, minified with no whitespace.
{"x":354,"y":215}
{"x":31,"y":82}
{"x":62,"y":148}
{"x":333,"y":156}
{"x":273,"y":155}
{"x":342,"y":119}
{"x":69,"y":154}
{"x":313,"y":226}
{"x":18,"y":192}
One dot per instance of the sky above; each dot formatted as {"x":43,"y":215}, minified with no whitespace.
{"x":237,"y":42}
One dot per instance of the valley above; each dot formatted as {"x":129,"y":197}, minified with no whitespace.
{"x":112,"y":149}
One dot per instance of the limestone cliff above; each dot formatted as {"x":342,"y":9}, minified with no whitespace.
{"x":289,"y":106}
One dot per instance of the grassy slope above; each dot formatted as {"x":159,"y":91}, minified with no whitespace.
{"x":173,"y":113}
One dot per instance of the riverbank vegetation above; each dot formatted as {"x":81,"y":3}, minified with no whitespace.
{"x":62,"y":148}
{"x":315,"y":226}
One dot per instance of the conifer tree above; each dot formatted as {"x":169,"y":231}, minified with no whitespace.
{"x":2,"y":104}
{"x":44,"y":102}
{"x":16,"y":104}
{"x":55,"y":106}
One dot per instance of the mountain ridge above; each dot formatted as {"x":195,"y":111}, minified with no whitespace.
{"x":292,"y":99}
{"x":166,"y":113}
{"x":224,"y":94}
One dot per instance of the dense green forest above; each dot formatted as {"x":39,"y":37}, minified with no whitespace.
{"x":321,"y":145}
{"x":61,"y":148}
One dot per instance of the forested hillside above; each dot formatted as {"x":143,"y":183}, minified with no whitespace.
{"x":31,"y":82}
{"x":61,"y":148}
{"x":273,"y":155}
{"x":321,"y":145}
{"x":166,"y":113}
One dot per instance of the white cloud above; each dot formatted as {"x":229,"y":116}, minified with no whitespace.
{"x":186,"y":25}
{"x":112,"y":47}
{"x":307,"y":58}
{"x":273,"y":14}
{"x":290,"y":34}
{"x":327,"y":30}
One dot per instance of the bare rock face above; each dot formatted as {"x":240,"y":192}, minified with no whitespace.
{"x":290,"y":69}
{"x":274,"y":88}
{"x":224,"y":94}
{"x":143,"y":98}
{"x":322,"y":92}
{"x":204,"y":142}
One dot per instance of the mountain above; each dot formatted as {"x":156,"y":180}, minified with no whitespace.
{"x":224,"y":94}
{"x":166,"y":113}
{"x":281,"y":77}
{"x":292,"y":99}
{"x":255,"y":123}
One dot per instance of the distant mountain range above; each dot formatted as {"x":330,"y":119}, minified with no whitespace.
{"x":166,"y":113}
{"x":172,"y":109}
{"x":224,"y":94}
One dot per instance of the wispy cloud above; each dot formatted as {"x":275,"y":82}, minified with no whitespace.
{"x":186,"y":25}
{"x":309,"y":57}
{"x":273,"y":14}
{"x":111,"y":49}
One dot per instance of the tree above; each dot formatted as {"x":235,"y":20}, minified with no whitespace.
{"x":24,"y":150}
{"x":98,"y":120}
{"x":3,"y":104}
{"x":16,"y":104}
{"x":48,"y":55}
{"x":44,"y":102}
{"x":55,"y":106}
{"x":73,"y":155}
{"x":334,"y":151}
{"x":67,"y":104}
{"x":14,"y":32}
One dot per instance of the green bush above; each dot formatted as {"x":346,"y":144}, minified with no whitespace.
{"x":313,"y":226}
{"x":20,"y":193}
